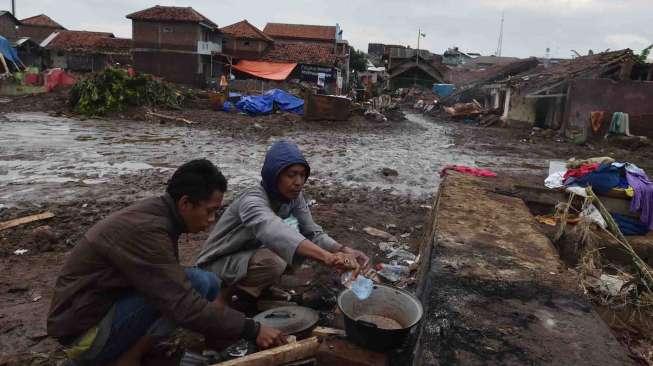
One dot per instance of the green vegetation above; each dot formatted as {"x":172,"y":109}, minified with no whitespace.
{"x":114,"y":90}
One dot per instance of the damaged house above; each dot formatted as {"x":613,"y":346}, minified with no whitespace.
{"x":85,"y":51}
{"x":407,"y":67}
{"x":38,"y":27}
{"x":176,"y":43}
{"x":564,"y":95}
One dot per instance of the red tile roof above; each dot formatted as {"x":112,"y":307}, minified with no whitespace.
{"x":301,"y":31}
{"x":172,"y":14}
{"x":41,"y":20}
{"x":88,"y":42}
{"x":314,"y":54}
{"x":245,"y":29}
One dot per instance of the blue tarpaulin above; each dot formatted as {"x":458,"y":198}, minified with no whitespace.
{"x":7,"y":51}
{"x":265,"y":103}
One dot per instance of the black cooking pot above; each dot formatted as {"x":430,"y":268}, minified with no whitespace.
{"x":387,"y":302}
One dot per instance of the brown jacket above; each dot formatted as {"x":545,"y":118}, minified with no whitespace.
{"x":135,"y":249}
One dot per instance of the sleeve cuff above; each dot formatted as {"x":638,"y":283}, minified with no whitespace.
{"x":250,"y":329}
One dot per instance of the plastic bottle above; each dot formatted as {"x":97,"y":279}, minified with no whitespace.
{"x":392,"y":272}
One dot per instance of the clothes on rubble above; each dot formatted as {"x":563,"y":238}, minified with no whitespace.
{"x":581,"y":171}
{"x":555,"y":180}
{"x":629,"y":226}
{"x":620,"y":124}
{"x":643,"y":199}
{"x":477,"y":172}
{"x":603,"y":179}
{"x":577,"y":163}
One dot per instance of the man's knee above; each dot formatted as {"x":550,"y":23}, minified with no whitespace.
{"x":206,"y":283}
{"x":273,"y":265}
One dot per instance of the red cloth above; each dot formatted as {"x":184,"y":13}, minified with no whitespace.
{"x":579,"y":172}
{"x":477,"y":172}
{"x":56,"y":77}
{"x":32,"y":79}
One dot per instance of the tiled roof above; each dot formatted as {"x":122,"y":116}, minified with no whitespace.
{"x":245,"y":29}
{"x":92,"y":42}
{"x":172,"y":14}
{"x":42,"y":20}
{"x":8,"y":13}
{"x":301,"y":31}
{"x":314,"y":54}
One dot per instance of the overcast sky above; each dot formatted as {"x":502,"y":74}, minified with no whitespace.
{"x":530,"y":25}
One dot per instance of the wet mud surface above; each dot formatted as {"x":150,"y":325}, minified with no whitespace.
{"x":82,"y":170}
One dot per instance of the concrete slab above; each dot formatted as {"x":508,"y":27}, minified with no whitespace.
{"x":496,"y":292}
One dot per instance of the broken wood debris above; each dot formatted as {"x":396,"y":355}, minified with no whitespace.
{"x":25,"y":220}
{"x":288,"y":353}
{"x":170,"y":118}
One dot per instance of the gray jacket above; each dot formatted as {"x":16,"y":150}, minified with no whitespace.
{"x":253,"y":221}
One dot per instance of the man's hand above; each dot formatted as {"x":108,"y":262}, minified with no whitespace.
{"x":363,"y":260}
{"x":269,"y":337}
{"x":343,"y":262}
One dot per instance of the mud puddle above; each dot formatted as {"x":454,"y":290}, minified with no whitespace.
{"x":45,"y":158}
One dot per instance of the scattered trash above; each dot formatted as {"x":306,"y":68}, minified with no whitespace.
{"x":20,"y":251}
{"x":477,"y":172}
{"x":611,"y":285}
{"x":380,"y":234}
{"x":392,"y":272}
{"x":402,"y":255}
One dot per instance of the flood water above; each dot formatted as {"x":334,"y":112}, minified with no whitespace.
{"x":40,"y":156}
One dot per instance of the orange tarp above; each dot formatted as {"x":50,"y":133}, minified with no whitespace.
{"x":266,"y":70}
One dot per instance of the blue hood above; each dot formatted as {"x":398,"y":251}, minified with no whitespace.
{"x":281,"y":155}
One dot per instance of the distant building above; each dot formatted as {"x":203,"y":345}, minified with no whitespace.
{"x":86,"y":51}
{"x":243,"y":40}
{"x":455,"y":57}
{"x":176,"y":43}
{"x":38,"y":27}
{"x":8,"y":25}
{"x":318,"y":39}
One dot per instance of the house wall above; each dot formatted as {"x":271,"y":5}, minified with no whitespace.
{"x":183,"y":68}
{"x":632,"y":97}
{"x":244,"y":48}
{"x":166,"y":35}
{"x":522,"y":110}
{"x":7,"y":27}
{"x":37,"y":34}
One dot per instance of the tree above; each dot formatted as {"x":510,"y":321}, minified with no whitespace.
{"x":643,"y":56}
{"x":357,"y":59}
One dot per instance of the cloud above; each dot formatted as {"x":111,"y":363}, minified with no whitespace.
{"x":633,"y":41}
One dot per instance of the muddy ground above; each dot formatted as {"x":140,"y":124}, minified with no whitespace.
{"x":83,"y":169}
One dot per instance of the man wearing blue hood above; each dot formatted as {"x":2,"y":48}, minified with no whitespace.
{"x":268,"y":225}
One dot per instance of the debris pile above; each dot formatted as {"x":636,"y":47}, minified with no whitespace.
{"x":115,"y":90}
{"x":379,"y":107}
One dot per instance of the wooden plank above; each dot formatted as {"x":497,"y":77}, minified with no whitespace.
{"x":25,"y":220}
{"x":340,"y":352}
{"x":326,"y":332}
{"x":170,"y":118}
{"x":550,"y":197}
{"x":288,"y":353}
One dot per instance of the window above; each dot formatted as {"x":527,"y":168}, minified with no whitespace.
{"x":167,"y":29}
{"x":246,"y":43}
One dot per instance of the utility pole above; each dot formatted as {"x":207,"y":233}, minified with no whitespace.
{"x":500,"y":45}
{"x":13,"y":8}
{"x":419,"y":35}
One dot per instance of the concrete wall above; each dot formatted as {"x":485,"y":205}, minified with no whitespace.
{"x":244,"y":48}
{"x":632,"y":97}
{"x":522,"y":111}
